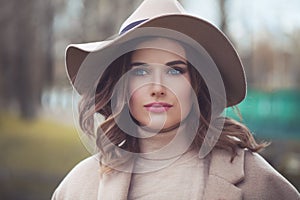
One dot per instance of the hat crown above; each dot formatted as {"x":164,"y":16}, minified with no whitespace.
{"x":150,"y":9}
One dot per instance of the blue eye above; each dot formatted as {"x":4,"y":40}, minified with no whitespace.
{"x":175,"y":71}
{"x":139,"y":72}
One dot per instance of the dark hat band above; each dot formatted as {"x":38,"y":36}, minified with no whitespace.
{"x":132,"y":25}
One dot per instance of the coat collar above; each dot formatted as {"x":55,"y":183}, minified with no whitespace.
{"x":220,"y":185}
{"x":224,"y":175}
{"x":115,"y":185}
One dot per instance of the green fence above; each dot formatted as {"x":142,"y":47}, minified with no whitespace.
{"x":273,"y":114}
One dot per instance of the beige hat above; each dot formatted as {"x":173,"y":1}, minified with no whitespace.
{"x":166,"y":14}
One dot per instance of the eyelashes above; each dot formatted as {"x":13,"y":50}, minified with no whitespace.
{"x":139,"y":72}
{"x":177,"y":70}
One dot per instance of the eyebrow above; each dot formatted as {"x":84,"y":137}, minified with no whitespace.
{"x":138,"y":64}
{"x":175,"y":62}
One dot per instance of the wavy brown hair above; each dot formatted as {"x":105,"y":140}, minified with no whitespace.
{"x":110,"y":137}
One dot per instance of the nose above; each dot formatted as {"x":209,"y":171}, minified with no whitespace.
{"x":158,"y":90}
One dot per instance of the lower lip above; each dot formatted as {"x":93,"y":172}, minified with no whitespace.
{"x":158,"y":109}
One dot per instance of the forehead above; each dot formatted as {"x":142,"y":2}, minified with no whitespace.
{"x":159,"y":50}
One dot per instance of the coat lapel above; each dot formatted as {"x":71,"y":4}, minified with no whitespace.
{"x":224,"y":175}
{"x":115,"y":185}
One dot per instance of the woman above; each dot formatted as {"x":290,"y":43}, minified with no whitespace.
{"x":163,"y":135}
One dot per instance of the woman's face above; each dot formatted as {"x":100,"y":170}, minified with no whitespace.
{"x":159,"y":84}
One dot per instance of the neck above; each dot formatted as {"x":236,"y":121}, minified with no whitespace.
{"x":151,"y":141}
{"x":166,"y":144}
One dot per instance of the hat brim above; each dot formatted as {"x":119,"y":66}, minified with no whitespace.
{"x":211,"y":38}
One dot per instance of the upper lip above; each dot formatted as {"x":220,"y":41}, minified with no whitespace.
{"x":158,"y":104}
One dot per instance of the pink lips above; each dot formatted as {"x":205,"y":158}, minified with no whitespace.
{"x":158,"y":107}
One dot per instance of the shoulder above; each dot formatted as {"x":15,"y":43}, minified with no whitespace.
{"x":252,"y":174}
{"x":262,"y":180}
{"x":85,"y":176}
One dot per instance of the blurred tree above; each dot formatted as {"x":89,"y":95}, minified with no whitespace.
{"x":223,"y":16}
{"x":224,"y":21}
{"x":263,"y":63}
{"x":272,"y":66}
{"x":6,"y":52}
{"x":295,"y":61}
{"x":102,"y":18}
{"x":26,"y":59}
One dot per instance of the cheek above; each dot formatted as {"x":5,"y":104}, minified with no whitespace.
{"x":134,"y":90}
{"x":135,"y":99}
{"x":183,"y":95}
{"x":185,"y":100}
{"x":135,"y":104}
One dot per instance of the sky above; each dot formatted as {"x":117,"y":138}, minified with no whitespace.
{"x":277,"y":17}
{"x":246,"y":18}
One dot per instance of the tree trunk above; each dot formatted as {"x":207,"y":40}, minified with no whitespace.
{"x":26,"y":61}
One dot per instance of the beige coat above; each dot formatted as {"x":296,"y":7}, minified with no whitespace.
{"x":249,"y":176}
